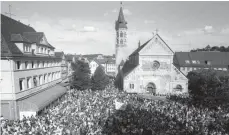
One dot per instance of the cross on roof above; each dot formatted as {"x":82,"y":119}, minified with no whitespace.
{"x":10,"y":12}
{"x":156,"y":31}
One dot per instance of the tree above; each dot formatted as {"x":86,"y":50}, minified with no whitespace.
{"x":99,"y":80}
{"x":209,"y":86}
{"x":81,"y":76}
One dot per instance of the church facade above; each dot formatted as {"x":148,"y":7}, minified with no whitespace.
{"x":150,"y":69}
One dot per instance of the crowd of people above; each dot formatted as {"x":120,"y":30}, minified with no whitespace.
{"x":94,"y":113}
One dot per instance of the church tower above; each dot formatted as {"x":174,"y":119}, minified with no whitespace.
{"x":121,"y":38}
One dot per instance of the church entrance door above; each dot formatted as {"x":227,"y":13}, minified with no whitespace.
{"x":151,"y":88}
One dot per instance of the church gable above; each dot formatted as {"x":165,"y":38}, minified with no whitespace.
{"x":156,"y":47}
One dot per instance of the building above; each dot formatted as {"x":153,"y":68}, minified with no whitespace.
{"x":189,"y":61}
{"x":108,"y":62}
{"x":64,"y":65}
{"x":30,"y":71}
{"x":150,"y":68}
{"x":121,"y":39}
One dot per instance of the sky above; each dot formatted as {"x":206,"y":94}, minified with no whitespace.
{"x":89,"y":27}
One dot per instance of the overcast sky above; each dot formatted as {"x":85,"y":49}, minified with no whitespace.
{"x":88,"y":27}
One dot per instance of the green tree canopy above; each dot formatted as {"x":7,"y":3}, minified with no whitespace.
{"x":209,"y":85}
{"x":99,"y":80}
{"x":81,"y":77}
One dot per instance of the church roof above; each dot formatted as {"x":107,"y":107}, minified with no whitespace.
{"x":120,"y":23}
{"x":127,"y":66}
{"x":217,"y":59}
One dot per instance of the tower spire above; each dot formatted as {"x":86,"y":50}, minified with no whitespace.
{"x":120,"y":23}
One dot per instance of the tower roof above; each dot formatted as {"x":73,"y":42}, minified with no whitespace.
{"x":120,"y":23}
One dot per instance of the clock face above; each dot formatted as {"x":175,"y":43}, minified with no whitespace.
{"x":155,"y":65}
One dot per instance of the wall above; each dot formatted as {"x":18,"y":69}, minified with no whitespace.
{"x":7,"y":79}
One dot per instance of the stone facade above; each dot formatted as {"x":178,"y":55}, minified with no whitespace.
{"x":150,"y":69}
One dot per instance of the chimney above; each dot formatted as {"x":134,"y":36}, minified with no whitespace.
{"x":139,"y":44}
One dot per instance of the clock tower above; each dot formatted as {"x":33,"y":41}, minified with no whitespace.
{"x":121,"y":38}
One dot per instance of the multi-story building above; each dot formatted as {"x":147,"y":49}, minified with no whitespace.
{"x":105,"y":61}
{"x":64,"y":65}
{"x":30,"y":71}
{"x":189,"y":61}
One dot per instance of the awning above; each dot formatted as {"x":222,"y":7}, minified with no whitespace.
{"x":39,"y":101}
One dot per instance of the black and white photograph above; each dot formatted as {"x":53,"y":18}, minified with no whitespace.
{"x":114,"y":68}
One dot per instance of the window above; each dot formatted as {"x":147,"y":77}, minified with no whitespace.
{"x":43,"y":64}
{"x":45,"y":50}
{"x":131,"y":86}
{"x":182,"y":68}
{"x":194,"y":69}
{"x":32,"y":64}
{"x":194,"y":62}
{"x":207,"y":62}
{"x":21,"y":84}
{"x":198,"y":62}
{"x":178,"y":87}
{"x":124,"y":34}
{"x":18,"y":65}
{"x":121,"y":41}
{"x":41,"y":50}
{"x":187,"y":61}
{"x":121,"y":34}
{"x":26,"y":65}
{"x":34,"y":82}
{"x":48,"y":51}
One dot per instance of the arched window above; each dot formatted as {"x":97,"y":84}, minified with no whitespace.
{"x":121,"y":41}
{"x":178,"y":87}
{"x":121,"y":34}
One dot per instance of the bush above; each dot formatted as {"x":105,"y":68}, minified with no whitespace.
{"x":99,"y":80}
{"x":209,"y":86}
{"x":81,"y":77}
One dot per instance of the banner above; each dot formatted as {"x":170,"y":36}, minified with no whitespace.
{"x":118,"y":105}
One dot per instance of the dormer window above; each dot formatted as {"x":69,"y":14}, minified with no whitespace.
{"x":207,"y":62}
{"x":194,"y":61}
{"x":187,"y":61}
{"x":27,"y":48}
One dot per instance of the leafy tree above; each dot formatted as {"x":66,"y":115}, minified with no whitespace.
{"x":81,"y":77}
{"x":99,"y":80}
{"x":209,"y":86}
{"x":214,"y":48}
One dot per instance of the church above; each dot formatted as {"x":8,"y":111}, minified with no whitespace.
{"x":149,"y":68}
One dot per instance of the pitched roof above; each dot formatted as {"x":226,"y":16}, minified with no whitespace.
{"x":19,"y":38}
{"x":35,"y":37}
{"x":217,"y":59}
{"x":120,"y":23}
{"x":14,"y":31}
{"x":9,"y":27}
{"x":140,"y":48}
{"x":127,"y":66}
